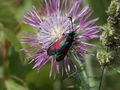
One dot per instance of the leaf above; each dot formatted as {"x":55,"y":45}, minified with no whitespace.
{"x":40,"y":79}
{"x":12,"y":85}
{"x":2,"y":86}
{"x":38,"y":2}
{"x":99,"y":9}
{"x":23,"y":9}
{"x":2,"y":37}
{"x":7,"y":16}
{"x":114,"y":70}
{"x":13,"y":39}
{"x":16,"y":64}
{"x":1,"y":72}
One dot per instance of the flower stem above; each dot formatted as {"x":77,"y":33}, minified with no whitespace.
{"x":5,"y":60}
{"x":81,"y":74}
{"x":102,"y":77}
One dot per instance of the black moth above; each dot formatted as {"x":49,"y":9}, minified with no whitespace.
{"x":61,"y":47}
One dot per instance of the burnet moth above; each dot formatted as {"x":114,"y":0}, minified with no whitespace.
{"x":61,"y":46}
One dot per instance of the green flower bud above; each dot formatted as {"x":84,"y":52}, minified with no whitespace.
{"x":110,"y":38}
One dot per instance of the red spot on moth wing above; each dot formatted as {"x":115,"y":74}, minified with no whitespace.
{"x":52,"y":47}
{"x":63,"y":38}
{"x":57,"y":44}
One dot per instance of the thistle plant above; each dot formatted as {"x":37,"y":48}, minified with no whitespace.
{"x":62,"y":30}
{"x":58,"y":37}
{"x":109,"y":56}
{"x":110,"y":37}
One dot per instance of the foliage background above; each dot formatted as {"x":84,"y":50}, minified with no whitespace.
{"x":16,"y":74}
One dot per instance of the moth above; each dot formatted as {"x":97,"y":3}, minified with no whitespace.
{"x":61,"y":47}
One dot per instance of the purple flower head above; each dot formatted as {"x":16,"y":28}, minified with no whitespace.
{"x":62,"y":28}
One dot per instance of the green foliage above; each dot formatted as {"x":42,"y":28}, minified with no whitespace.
{"x":99,"y":9}
{"x":111,"y":35}
{"x":7,"y":15}
{"x":23,"y":77}
{"x":13,"y":39}
{"x":12,"y":85}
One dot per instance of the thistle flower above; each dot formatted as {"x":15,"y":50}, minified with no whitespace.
{"x":62,"y":27}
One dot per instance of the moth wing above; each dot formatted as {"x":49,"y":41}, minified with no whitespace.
{"x":57,"y":47}
{"x":51,"y":50}
{"x":60,"y":57}
{"x":54,"y":48}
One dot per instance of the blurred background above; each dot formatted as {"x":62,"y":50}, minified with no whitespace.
{"x":17,"y":74}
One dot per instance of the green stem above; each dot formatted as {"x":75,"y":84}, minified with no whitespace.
{"x":5,"y":60}
{"x":81,"y":73}
{"x":91,"y":76}
{"x":102,"y":77}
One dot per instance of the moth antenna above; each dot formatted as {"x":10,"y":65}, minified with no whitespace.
{"x":71,"y":23}
{"x":76,"y":28}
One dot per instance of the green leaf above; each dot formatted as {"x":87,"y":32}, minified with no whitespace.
{"x":12,"y":85}
{"x":38,"y":2}
{"x":20,"y":12}
{"x":17,"y":67}
{"x":2,"y":86}
{"x":13,"y":39}
{"x":40,"y":79}
{"x":2,"y":37}
{"x":7,"y":15}
{"x":99,"y":8}
{"x":1,"y":72}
